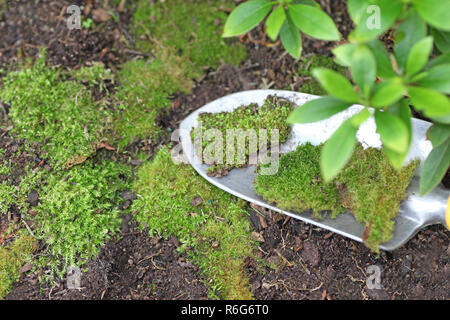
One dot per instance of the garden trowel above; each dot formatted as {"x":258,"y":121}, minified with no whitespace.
{"x":416,"y":212}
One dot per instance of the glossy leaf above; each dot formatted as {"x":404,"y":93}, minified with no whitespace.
{"x":438,"y":134}
{"x":313,"y":22}
{"x":441,"y":39}
{"x":376,"y":19}
{"x":393,"y":132}
{"x":435,"y":12}
{"x":274,"y":22}
{"x":432,"y":103}
{"x":290,"y":38}
{"x":437,"y":78}
{"x":344,"y":54}
{"x":435,"y":167}
{"x":338,"y":150}
{"x":418,"y":57}
{"x":363,"y":69}
{"x":246,"y":16}
{"x":356,"y":9}
{"x":384,"y":65}
{"x":407,"y":34}
{"x":317,"y":109}
{"x":336,"y":84}
{"x":387,"y":93}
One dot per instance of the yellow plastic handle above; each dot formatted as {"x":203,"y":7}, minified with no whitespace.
{"x":447,"y":214}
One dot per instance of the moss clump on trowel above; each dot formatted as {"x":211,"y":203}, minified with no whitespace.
{"x":369,"y":187}
{"x":241,"y":123}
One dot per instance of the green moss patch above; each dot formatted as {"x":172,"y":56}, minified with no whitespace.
{"x":144,"y":90}
{"x":78,"y":212}
{"x":188,"y":29}
{"x":47,"y":109}
{"x":369,"y":187}
{"x":211,"y":225}
{"x":271,"y":115}
{"x":12,"y":258}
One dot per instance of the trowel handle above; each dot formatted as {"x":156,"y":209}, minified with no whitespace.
{"x":447,"y":214}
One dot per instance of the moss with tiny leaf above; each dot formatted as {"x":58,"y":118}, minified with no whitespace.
{"x":78,"y":212}
{"x":187,"y":29}
{"x":47,"y":108}
{"x":368,"y":186}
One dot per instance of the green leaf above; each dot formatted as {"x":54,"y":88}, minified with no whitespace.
{"x":378,"y":17}
{"x":393,"y":132}
{"x":396,"y":159}
{"x":407,"y":34}
{"x":435,"y":167}
{"x":338,"y":150}
{"x":290,"y":38}
{"x":363,"y":69}
{"x":317,"y":109}
{"x":313,"y":22}
{"x":438,"y":134}
{"x":439,"y":60}
{"x":344,"y":54}
{"x":403,"y":112}
{"x":435,"y":12}
{"x":307,"y":2}
{"x":246,"y":16}
{"x":336,"y":84}
{"x":437,"y":78}
{"x":387,"y":93}
{"x":441,"y":40}
{"x":274,"y":22}
{"x":356,"y":9}
{"x":432,"y":103}
{"x":384,"y":65}
{"x":418,"y":57}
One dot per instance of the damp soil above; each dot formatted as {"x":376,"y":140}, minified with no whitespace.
{"x":300,"y":261}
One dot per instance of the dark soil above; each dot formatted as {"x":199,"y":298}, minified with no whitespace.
{"x":303,"y":262}
{"x":311,"y":263}
{"x":18,"y":161}
{"x":26,"y":26}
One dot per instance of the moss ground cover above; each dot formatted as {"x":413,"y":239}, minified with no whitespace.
{"x":369,"y":187}
{"x":305,"y":67}
{"x":211,"y":225}
{"x":47,"y":109}
{"x":271,"y":115}
{"x":78,"y":212}
{"x":187,"y":29}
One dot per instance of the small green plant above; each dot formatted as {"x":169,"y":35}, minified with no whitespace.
{"x":285,"y":20}
{"x":368,"y":187}
{"x":385,"y":83}
{"x":87,"y":23}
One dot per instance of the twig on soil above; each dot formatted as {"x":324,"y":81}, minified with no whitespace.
{"x":289,"y":264}
{"x":29,"y":229}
